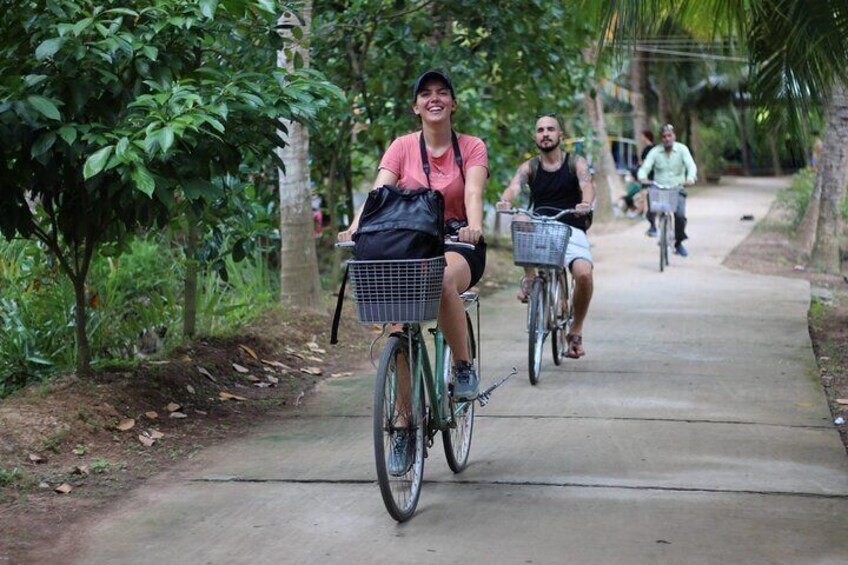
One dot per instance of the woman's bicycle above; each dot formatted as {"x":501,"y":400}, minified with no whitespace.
{"x":412,"y":398}
{"x":662,"y":200}
{"x":540,"y":242}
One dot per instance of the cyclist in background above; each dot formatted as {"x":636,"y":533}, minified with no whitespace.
{"x":672,"y":165}
{"x":559,"y":181}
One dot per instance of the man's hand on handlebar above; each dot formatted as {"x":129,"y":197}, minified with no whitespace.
{"x":345,"y":236}
{"x":582,"y":209}
{"x":503,"y":205}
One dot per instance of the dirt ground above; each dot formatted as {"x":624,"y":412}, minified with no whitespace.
{"x":98,"y":439}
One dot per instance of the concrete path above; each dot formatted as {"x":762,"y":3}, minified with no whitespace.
{"x":694,"y":432}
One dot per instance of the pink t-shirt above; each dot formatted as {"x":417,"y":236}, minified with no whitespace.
{"x":403,"y":158}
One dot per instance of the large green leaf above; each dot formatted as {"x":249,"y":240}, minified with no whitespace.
{"x":45,"y":107}
{"x":97,"y":162}
{"x":43,"y":144}
{"x":49,"y":48}
{"x":144,"y":181}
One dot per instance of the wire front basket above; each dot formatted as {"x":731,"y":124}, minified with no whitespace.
{"x":537,"y":243}
{"x":663,"y":200}
{"x":397,"y":291}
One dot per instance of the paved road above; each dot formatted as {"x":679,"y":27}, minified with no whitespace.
{"x":694,"y":432}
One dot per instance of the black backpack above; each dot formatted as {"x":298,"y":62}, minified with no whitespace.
{"x":398,"y":223}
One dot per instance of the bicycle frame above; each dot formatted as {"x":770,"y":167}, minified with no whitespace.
{"x":430,"y":381}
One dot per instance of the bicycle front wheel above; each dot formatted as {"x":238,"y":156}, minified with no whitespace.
{"x":399,"y":431}
{"x":562,"y":306}
{"x":663,"y":242}
{"x":536,"y":330}
{"x":457,"y":438}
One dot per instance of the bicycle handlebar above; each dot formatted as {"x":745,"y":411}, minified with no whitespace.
{"x":450,"y":241}
{"x":663,"y":187}
{"x":536,"y":216}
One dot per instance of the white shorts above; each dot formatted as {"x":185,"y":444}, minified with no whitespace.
{"x":578,"y":247}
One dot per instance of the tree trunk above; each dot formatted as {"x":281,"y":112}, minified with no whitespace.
{"x":190,"y":282}
{"x":608,"y":183}
{"x":832,"y":170}
{"x":83,"y":350}
{"x":775,"y":154}
{"x":809,"y":224}
{"x":695,"y":142}
{"x":300,"y":284}
{"x":640,"y":119}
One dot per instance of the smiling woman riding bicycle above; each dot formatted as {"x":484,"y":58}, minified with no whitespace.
{"x":456,"y":165}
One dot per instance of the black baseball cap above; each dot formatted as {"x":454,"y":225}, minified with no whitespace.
{"x":433,"y":73}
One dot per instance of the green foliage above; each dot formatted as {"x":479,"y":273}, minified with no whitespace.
{"x":796,"y":197}
{"x":16,"y":478}
{"x":139,"y":290}
{"x":113,"y":118}
{"x":508,"y":60}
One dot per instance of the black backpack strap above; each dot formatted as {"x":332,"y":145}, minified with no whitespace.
{"x":425,"y":162}
{"x":457,"y":154}
{"x":334,"y":333}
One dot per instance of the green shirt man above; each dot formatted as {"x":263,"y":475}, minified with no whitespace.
{"x":673,"y":165}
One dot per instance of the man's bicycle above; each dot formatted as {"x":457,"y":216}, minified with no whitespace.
{"x":540,"y":241}
{"x":412,"y":398}
{"x":662,"y":200}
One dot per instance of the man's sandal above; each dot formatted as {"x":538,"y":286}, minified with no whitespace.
{"x":575,"y":346}
{"x":524,"y":289}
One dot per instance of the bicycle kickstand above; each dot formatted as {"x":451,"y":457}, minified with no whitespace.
{"x":484,"y":397}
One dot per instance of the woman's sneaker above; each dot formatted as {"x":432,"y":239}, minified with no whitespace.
{"x":465,"y":382}
{"x":402,"y":452}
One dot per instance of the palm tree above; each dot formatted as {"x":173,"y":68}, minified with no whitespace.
{"x":797,"y":48}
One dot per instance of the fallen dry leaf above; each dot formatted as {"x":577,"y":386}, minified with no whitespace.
{"x":240,"y":368}
{"x":314,"y":359}
{"x":315,"y":348}
{"x":125,"y":425}
{"x":173,"y":407}
{"x":843,"y":401}
{"x":152,"y":414}
{"x":146,"y":441}
{"x":263,"y":385}
{"x":64,"y":488}
{"x":311,"y":370}
{"x":201,"y":412}
{"x":81,"y":470}
{"x":37,"y":459}
{"x":178,"y":415}
{"x":277,"y":364}
{"x":343,"y":374}
{"x":206,"y":374}
{"x":155,"y":434}
{"x":249,"y":351}
{"x":298,"y":399}
{"x":190,"y":389}
{"x":229,"y":396}
{"x":272,"y":380}
{"x":252,"y":378}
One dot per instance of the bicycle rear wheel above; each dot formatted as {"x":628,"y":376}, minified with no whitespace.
{"x":562,"y":318}
{"x":536,"y":330}
{"x":457,"y":438}
{"x":663,"y":241}
{"x":395,"y":411}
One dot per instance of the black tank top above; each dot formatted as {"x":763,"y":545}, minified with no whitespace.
{"x":559,"y":189}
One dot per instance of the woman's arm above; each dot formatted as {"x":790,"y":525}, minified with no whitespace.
{"x":475,"y":180}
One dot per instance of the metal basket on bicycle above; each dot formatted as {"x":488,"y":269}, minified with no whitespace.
{"x":397,"y":291}
{"x":538,"y":243}
{"x":663,"y":199}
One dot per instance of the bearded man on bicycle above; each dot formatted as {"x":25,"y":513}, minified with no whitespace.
{"x":559,"y":181}
{"x":673,"y":165}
